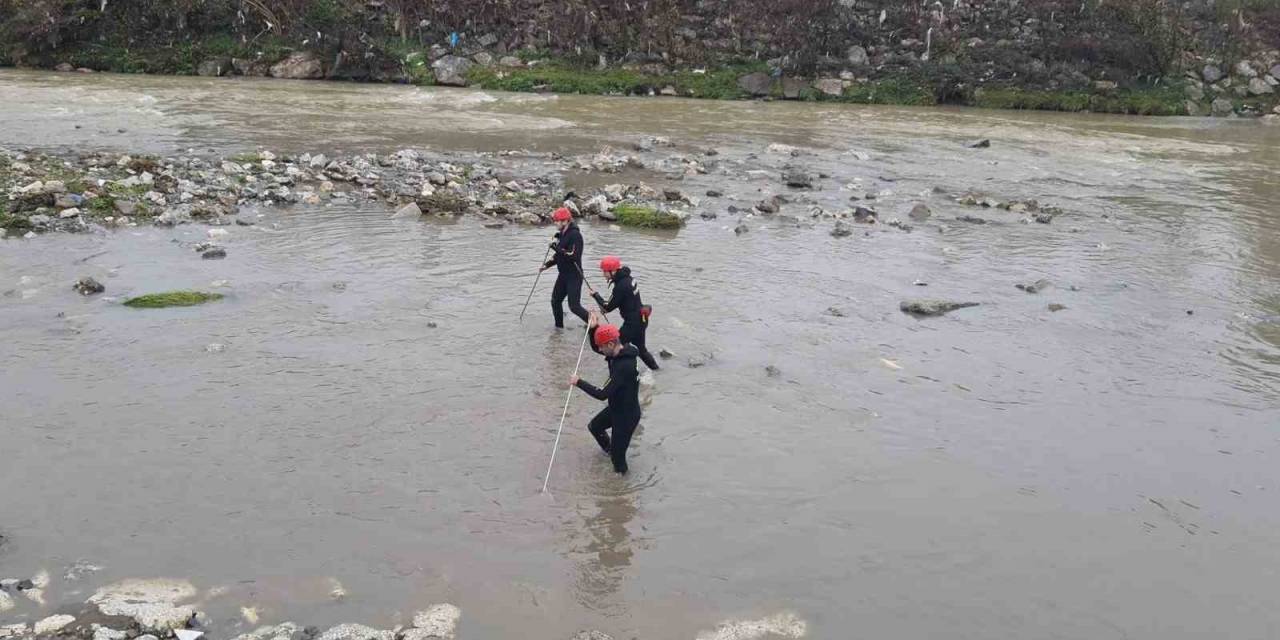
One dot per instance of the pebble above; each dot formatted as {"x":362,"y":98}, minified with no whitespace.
{"x":665,"y":354}
{"x":214,"y":253}
{"x":772,"y":371}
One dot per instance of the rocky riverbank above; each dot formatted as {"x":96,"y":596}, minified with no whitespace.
{"x":1145,"y":57}
{"x":155,"y":609}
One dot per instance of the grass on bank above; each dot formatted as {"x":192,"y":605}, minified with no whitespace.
{"x":919,"y":87}
{"x":721,"y":84}
{"x":171,"y":299}
{"x":632,"y":215}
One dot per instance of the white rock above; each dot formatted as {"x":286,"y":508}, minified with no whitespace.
{"x":436,"y":621}
{"x":6,"y":602}
{"x":411,"y":210}
{"x":34,"y":595}
{"x":597,"y":205}
{"x":13,"y":631}
{"x":69,"y":213}
{"x":356,"y":632}
{"x":34,"y":187}
{"x":783,"y":625}
{"x":218,"y":233}
{"x":282,"y":631}
{"x":152,"y":603}
{"x":53,"y":624}
{"x":55,"y":187}
{"x":105,"y":633}
{"x":336,"y":590}
{"x":41,"y":579}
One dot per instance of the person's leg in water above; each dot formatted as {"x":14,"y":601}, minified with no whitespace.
{"x":601,"y":423}
{"x":618,"y":448}
{"x":557,"y":300}
{"x":633,"y":333}
{"x":573,"y":286}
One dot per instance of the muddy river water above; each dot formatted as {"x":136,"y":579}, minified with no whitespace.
{"x":378,"y":417}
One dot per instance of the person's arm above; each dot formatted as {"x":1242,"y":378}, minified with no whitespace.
{"x":599,"y":393}
{"x":575,"y":245}
{"x":605,"y":306}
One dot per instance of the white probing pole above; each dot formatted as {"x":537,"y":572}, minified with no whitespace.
{"x":565,"y":413}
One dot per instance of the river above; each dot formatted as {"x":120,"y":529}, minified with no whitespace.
{"x":1109,"y":470}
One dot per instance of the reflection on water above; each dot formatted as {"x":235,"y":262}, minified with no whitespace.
{"x":604,"y":552}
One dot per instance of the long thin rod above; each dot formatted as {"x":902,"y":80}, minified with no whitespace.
{"x":535,"y":285}
{"x":564,"y":413}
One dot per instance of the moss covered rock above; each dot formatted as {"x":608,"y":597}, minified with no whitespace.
{"x":632,"y":215}
{"x":171,"y":299}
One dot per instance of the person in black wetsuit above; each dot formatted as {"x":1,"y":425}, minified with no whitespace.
{"x":622,"y":391}
{"x":625,"y":297}
{"x":567,"y":258}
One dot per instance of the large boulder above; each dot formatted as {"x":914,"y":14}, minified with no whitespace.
{"x":1211,"y":73}
{"x":858,"y":56}
{"x":1260,"y":87}
{"x":792,"y":87}
{"x":1222,"y":107}
{"x":437,"y":621}
{"x":1275,"y":72}
{"x":247,"y":67}
{"x":451,"y":71}
{"x":152,"y":604}
{"x":829,"y":86}
{"x":1246,"y":70}
{"x":756,"y":84}
{"x":303,"y":65}
{"x":214,"y":68}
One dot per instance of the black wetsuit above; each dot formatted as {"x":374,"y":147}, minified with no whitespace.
{"x":567,"y":258}
{"x":623,"y":413}
{"x":625,"y":297}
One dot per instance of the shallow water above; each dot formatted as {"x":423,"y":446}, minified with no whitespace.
{"x":1106,"y":471}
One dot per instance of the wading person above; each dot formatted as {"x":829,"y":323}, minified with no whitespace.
{"x":622,"y":391}
{"x":567,"y":259}
{"x":625,"y":297}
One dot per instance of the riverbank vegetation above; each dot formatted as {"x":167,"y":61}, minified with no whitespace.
{"x":1122,"y":56}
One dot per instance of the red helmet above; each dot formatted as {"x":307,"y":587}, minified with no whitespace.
{"x":605,"y":334}
{"x":562,"y":215}
{"x":610,"y":263}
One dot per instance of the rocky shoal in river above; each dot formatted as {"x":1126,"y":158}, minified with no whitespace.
{"x":92,"y":192}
